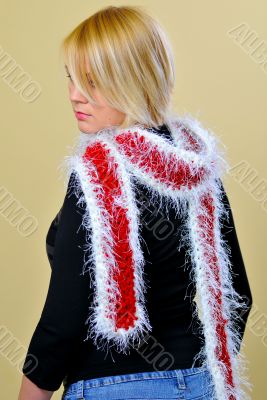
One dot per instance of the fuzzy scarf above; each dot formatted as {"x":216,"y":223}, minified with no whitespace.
{"x":183,"y":172}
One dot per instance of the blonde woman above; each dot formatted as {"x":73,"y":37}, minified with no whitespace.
{"x":144,"y":226}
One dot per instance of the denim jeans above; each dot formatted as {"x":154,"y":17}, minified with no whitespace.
{"x":179,"y":384}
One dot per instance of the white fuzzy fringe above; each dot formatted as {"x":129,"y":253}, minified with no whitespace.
{"x":186,"y":202}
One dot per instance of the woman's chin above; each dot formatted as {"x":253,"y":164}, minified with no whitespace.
{"x":85,"y":127}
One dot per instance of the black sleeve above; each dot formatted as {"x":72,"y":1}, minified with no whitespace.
{"x":239,"y":276}
{"x":62,"y":323}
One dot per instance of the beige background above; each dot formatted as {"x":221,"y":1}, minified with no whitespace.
{"x":218,"y":80}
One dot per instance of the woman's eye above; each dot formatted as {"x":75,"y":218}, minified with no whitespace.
{"x":91,"y":83}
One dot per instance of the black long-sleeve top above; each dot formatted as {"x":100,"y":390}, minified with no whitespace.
{"x":58,"y":340}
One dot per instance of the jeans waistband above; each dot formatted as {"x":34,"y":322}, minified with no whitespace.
{"x":79,"y":386}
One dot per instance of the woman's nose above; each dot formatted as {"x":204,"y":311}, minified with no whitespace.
{"x":76,"y":95}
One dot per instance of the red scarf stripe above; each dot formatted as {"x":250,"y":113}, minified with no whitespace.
{"x":175,"y":173}
{"x":207,"y":225}
{"x":190,"y":141}
{"x":123,"y":275}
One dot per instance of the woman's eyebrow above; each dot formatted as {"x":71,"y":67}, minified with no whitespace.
{"x":87,"y":73}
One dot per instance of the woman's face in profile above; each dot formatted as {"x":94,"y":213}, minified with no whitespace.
{"x":91,"y":118}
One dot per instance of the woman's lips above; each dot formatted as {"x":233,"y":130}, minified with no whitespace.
{"x":81,"y":116}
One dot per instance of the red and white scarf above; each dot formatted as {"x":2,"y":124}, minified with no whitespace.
{"x":184,"y":172}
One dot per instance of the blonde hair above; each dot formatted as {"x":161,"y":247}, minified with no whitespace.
{"x":131,"y":63}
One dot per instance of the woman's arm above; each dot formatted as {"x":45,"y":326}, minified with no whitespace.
{"x":61,"y":327}
{"x":29,"y":391}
